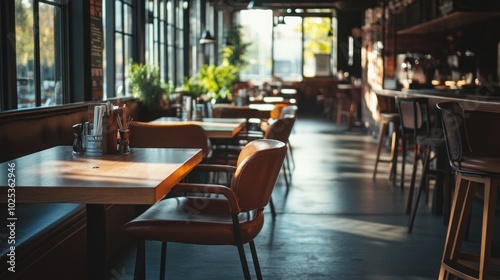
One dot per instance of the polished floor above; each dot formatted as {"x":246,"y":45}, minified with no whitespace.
{"x":334,"y":223}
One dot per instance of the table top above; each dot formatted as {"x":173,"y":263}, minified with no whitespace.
{"x":215,"y":127}
{"x":143,"y":176}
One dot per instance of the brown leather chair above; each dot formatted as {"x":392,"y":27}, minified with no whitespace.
{"x":474,"y":166}
{"x":168,"y":135}
{"x":227,"y":150}
{"x":280,"y":130}
{"x":235,"y":220}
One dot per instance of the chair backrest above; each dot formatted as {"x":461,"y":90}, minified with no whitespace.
{"x":239,"y":112}
{"x":236,"y":112}
{"x":454,"y":129}
{"x":415,"y":117}
{"x":290,"y":110}
{"x":386,"y":104}
{"x":276,"y":111}
{"x":257,"y":170}
{"x":168,"y":135}
{"x":280,"y":129}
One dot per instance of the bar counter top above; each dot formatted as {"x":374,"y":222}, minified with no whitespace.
{"x":480,"y":100}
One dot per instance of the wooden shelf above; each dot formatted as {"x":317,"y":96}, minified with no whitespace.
{"x":448,"y":22}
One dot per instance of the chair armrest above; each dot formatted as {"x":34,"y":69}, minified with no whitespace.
{"x":234,"y":207}
{"x":214,"y":168}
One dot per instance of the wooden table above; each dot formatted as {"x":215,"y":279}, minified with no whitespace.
{"x":215,"y":127}
{"x":143,"y":176}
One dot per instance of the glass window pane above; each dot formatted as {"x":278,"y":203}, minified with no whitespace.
{"x":128,"y":56}
{"x":288,"y":49}
{"x":162,"y":64}
{"x":317,"y":43}
{"x":118,"y":15}
{"x":257,"y":29}
{"x":120,"y":88}
{"x":25,"y":54}
{"x":127,"y":14}
{"x":171,"y":68}
{"x":50,"y":57}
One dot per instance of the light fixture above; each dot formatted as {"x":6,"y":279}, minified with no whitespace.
{"x":206,"y":38}
{"x":281,"y":20}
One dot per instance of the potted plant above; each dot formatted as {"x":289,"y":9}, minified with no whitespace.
{"x":217,"y":81}
{"x":235,"y":51}
{"x":147,"y":85}
{"x":150,"y":90}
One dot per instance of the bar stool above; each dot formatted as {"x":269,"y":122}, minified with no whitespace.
{"x":388,"y":117}
{"x":473,"y":168}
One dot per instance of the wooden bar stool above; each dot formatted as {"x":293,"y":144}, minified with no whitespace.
{"x":388,"y":117}
{"x":474,"y":168}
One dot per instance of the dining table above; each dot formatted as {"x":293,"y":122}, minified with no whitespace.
{"x":224,"y":128}
{"x":57,"y":175}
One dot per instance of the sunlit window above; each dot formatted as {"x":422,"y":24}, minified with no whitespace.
{"x":257,"y":29}
{"x":317,"y":46}
{"x":39,"y":73}
{"x":287,"y":54}
{"x":289,"y":45}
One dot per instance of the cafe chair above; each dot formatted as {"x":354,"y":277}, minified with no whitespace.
{"x":235,"y":219}
{"x":416,"y":128}
{"x":475,"y":164}
{"x":280,"y":130}
{"x":290,"y":110}
{"x":226,"y":150}
{"x":168,"y":135}
{"x":389,"y":118}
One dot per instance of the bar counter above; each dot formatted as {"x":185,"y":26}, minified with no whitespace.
{"x":472,"y":101}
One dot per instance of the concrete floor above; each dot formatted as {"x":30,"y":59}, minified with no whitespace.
{"x":334,"y":223}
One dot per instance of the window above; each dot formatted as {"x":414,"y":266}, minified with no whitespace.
{"x":257,"y":28}
{"x":317,"y":46}
{"x":155,"y":34}
{"x":124,"y":39}
{"x":287,"y":55}
{"x":40,"y":74}
{"x":302,"y":43}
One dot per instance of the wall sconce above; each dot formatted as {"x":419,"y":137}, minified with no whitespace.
{"x":206,"y":38}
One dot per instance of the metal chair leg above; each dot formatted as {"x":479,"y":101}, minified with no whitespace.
{"x":273,"y":211}
{"x":255,"y":260}
{"x":163,"y":260}
{"x":241,"y":250}
{"x":140,"y":261}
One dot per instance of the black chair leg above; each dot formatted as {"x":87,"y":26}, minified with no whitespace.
{"x":241,"y":250}
{"x":273,"y":211}
{"x":255,"y":260}
{"x":140,"y":261}
{"x":287,"y":183}
{"x":421,"y":188}
{"x":163,"y":260}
